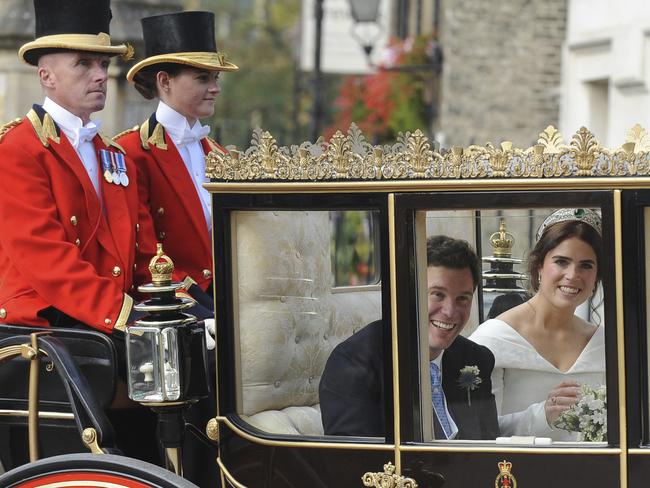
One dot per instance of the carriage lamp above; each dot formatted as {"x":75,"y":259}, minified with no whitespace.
{"x":166,"y":357}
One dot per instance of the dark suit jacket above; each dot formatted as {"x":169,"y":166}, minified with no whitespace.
{"x":352,"y":388}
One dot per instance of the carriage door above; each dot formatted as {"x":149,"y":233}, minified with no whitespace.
{"x":636,"y":239}
{"x":527,"y":453}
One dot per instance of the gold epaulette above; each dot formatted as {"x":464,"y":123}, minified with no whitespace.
{"x":45,"y":129}
{"x":108,"y":142}
{"x":157,"y":137}
{"x":8,"y":126}
{"x":214,"y":146}
{"x":127,"y":131}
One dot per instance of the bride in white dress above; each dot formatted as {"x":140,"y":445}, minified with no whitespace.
{"x":543,"y":351}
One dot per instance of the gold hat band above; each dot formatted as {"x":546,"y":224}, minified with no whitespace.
{"x":82,"y":42}
{"x":203,"y":60}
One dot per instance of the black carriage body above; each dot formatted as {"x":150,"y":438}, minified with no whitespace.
{"x":258,"y":458}
{"x":409,"y":186}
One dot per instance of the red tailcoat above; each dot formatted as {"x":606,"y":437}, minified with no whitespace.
{"x":60,"y":246}
{"x":166,"y":188}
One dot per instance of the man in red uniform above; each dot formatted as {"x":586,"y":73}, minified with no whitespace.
{"x":68,"y":198}
{"x":69,"y":211}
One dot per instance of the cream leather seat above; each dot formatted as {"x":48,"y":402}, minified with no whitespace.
{"x":290,"y":317}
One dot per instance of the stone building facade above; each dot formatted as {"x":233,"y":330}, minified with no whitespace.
{"x":19,"y":86}
{"x":501,"y":70}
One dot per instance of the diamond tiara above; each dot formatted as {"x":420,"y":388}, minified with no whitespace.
{"x":586,"y":215}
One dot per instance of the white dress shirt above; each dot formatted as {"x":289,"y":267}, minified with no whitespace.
{"x":80,"y":137}
{"x":187,"y":141}
{"x":452,"y":424}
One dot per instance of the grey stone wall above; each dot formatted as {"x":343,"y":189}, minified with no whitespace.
{"x":501,"y":70}
{"x":19,"y":86}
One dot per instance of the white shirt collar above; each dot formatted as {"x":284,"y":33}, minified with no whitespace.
{"x":66,"y":120}
{"x":173,"y":122}
{"x":63,"y":118}
{"x":438,"y":360}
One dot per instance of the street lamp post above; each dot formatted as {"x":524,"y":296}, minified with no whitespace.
{"x":365,"y":14}
{"x":318,"y":75}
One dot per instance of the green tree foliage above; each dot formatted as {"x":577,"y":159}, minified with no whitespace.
{"x":397,"y":98}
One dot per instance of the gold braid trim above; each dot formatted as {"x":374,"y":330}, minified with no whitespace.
{"x":8,"y":126}
{"x":214,"y":146}
{"x":108,"y":142}
{"x":44,"y":130}
{"x":125,"y":311}
{"x":144,"y":134}
{"x":157,"y":138}
{"x":127,"y":131}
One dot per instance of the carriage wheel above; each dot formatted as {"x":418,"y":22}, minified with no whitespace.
{"x":91,"y":470}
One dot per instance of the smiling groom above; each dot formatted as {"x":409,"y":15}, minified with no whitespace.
{"x":352,"y":386}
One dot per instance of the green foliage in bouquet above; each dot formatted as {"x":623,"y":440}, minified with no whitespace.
{"x":389,"y":101}
{"x":588,"y":416}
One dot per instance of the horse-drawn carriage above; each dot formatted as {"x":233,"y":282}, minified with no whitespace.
{"x":314,"y":242}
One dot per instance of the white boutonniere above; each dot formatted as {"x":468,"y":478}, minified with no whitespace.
{"x":469,"y":379}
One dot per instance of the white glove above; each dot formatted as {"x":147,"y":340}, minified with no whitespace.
{"x":209,"y":334}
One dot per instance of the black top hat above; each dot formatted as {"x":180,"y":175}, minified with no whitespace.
{"x":78,"y":25}
{"x":182,"y":38}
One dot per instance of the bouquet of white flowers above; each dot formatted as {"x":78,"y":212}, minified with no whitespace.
{"x":588,"y":416}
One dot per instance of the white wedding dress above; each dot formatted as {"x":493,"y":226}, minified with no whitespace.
{"x":522,"y":378}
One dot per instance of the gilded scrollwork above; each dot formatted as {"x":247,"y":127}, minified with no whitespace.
{"x":639,"y":137}
{"x":413,"y":156}
{"x":388,"y":479}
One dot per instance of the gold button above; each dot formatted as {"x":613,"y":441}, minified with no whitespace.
{"x":3,"y":313}
{"x":207,"y":273}
{"x":137,"y":246}
{"x":161,"y":211}
{"x":73,"y":220}
{"x":135,"y":266}
{"x":161,"y":235}
{"x":117,"y":271}
{"x":137,"y":227}
{"x":77,"y":242}
{"x":108,"y":321}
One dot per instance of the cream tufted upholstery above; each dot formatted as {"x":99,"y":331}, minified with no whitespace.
{"x":289,"y":318}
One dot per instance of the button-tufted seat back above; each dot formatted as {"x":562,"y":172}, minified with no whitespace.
{"x":290,"y":317}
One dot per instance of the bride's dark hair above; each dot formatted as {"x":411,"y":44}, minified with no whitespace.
{"x":556,"y":234}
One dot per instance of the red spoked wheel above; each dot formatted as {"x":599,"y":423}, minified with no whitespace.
{"x":92,"y":470}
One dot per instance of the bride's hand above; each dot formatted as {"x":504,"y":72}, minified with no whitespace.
{"x":560,"y":399}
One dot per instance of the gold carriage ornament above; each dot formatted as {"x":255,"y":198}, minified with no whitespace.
{"x":413,"y":156}
{"x":501,"y":277}
{"x":388,"y":479}
{"x":505,"y":478}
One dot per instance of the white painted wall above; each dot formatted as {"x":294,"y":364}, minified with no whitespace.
{"x":606,"y":68}
{"x":340,"y":51}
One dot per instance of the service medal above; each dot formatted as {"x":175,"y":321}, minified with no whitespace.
{"x":115,"y":174}
{"x":121,"y":168}
{"x":105,"y":157}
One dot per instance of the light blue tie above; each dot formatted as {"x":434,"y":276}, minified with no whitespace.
{"x":438,"y":399}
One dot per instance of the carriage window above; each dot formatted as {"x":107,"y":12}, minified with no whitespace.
{"x":543,"y":327}
{"x":354,"y":248}
{"x":288,"y":317}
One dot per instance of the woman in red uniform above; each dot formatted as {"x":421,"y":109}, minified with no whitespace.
{"x":181,"y":69}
